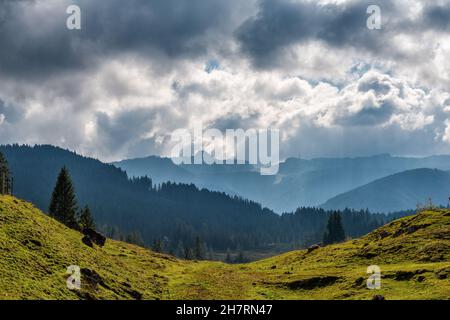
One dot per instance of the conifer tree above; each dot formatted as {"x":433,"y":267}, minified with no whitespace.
{"x":335,"y":231}
{"x":180,"y":250}
{"x":188,"y":255}
{"x":63,"y":205}
{"x":240,"y":258}
{"x":228,"y":257}
{"x":199,"y":252}
{"x":157,"y":246}
{"x":86,"y":220}
{"x":135,"y":237}
{"x":5,"y":180}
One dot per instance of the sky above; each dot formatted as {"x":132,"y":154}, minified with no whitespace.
{"x":140,"y":69}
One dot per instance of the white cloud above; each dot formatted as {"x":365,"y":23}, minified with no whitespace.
{"x":326,"y":99}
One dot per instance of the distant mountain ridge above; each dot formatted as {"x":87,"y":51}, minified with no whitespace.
{"x":175,"y":214}
{"x":299,"y":182}
{"x":397,"y":192}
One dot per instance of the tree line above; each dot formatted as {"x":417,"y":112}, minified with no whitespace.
{"x":170,"y":217}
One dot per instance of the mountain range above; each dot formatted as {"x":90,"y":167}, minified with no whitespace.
{"x":173,"y":214}
{"x":397,"y":192}
{"x":323,"y":181}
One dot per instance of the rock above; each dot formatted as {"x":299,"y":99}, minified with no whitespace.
{"x":422,"y":271}
{"x":87,"y":241}
{"x":383,"y":234}
{"x":359,"y":282}
{"x":95,"y":237}
{"x":313,"y":247}
{"x":92,"y":279}
{"x":420,"y":279}
{"x":32,"y":243}
{"x":410,"y":229}
{"x":442,"y":274}
{"x":404,"y":275}
{"x":378,"y":297}
{"x":312,"y":283}
{"x":368,"y":252}
{"x":134,"y":294}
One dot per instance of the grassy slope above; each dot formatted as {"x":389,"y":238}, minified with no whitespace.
{"x":33,"y":270}
{"x":35,"y":252}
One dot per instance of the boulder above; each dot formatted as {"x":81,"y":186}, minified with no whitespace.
{"x":95,"y":237}
{"x":384,"y":234}
{"x":87,"y":241}
{"x":313,"y":247}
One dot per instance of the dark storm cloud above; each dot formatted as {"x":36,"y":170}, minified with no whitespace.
{"x":129,"y":132}
{"x":282,"y":23}
{"x":437,"y":16}
{"x":175,"y":26}
{"x":35,"y":40}
{"x":32,"y":41}
{"x":81,"y":89}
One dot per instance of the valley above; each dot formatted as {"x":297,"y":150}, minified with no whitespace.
{"x":413,"y":254}
{"x":173,"y":217}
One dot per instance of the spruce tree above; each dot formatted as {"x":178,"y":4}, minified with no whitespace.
{"x":241,"y":257}
{"x":5,"y":180}
{"x":188,"y":255}
{"x":180,"y":250}
{"x":199,"y":252}
{"x":86,"y":220}
{"x":157,"y":246}
{"x":228,"y":257}
{"x":63,"y":205}
{"x":335,"y":231}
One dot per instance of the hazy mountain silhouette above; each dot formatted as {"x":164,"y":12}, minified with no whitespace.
{"x":174,"y":213}
{"x":299,"y":182}
{"x":397,"y":192}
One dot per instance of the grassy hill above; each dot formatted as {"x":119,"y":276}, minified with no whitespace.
{"x":35,"y":251}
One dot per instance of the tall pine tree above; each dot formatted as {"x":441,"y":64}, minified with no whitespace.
{"x":335,"y":231}
{"x":63,"y":205}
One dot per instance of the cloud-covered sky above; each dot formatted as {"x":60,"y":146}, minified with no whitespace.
{"x":140,"y":69}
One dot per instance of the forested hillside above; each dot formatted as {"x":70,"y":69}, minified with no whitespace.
{"x":299,"y":182}
{"x":172,"y":217}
